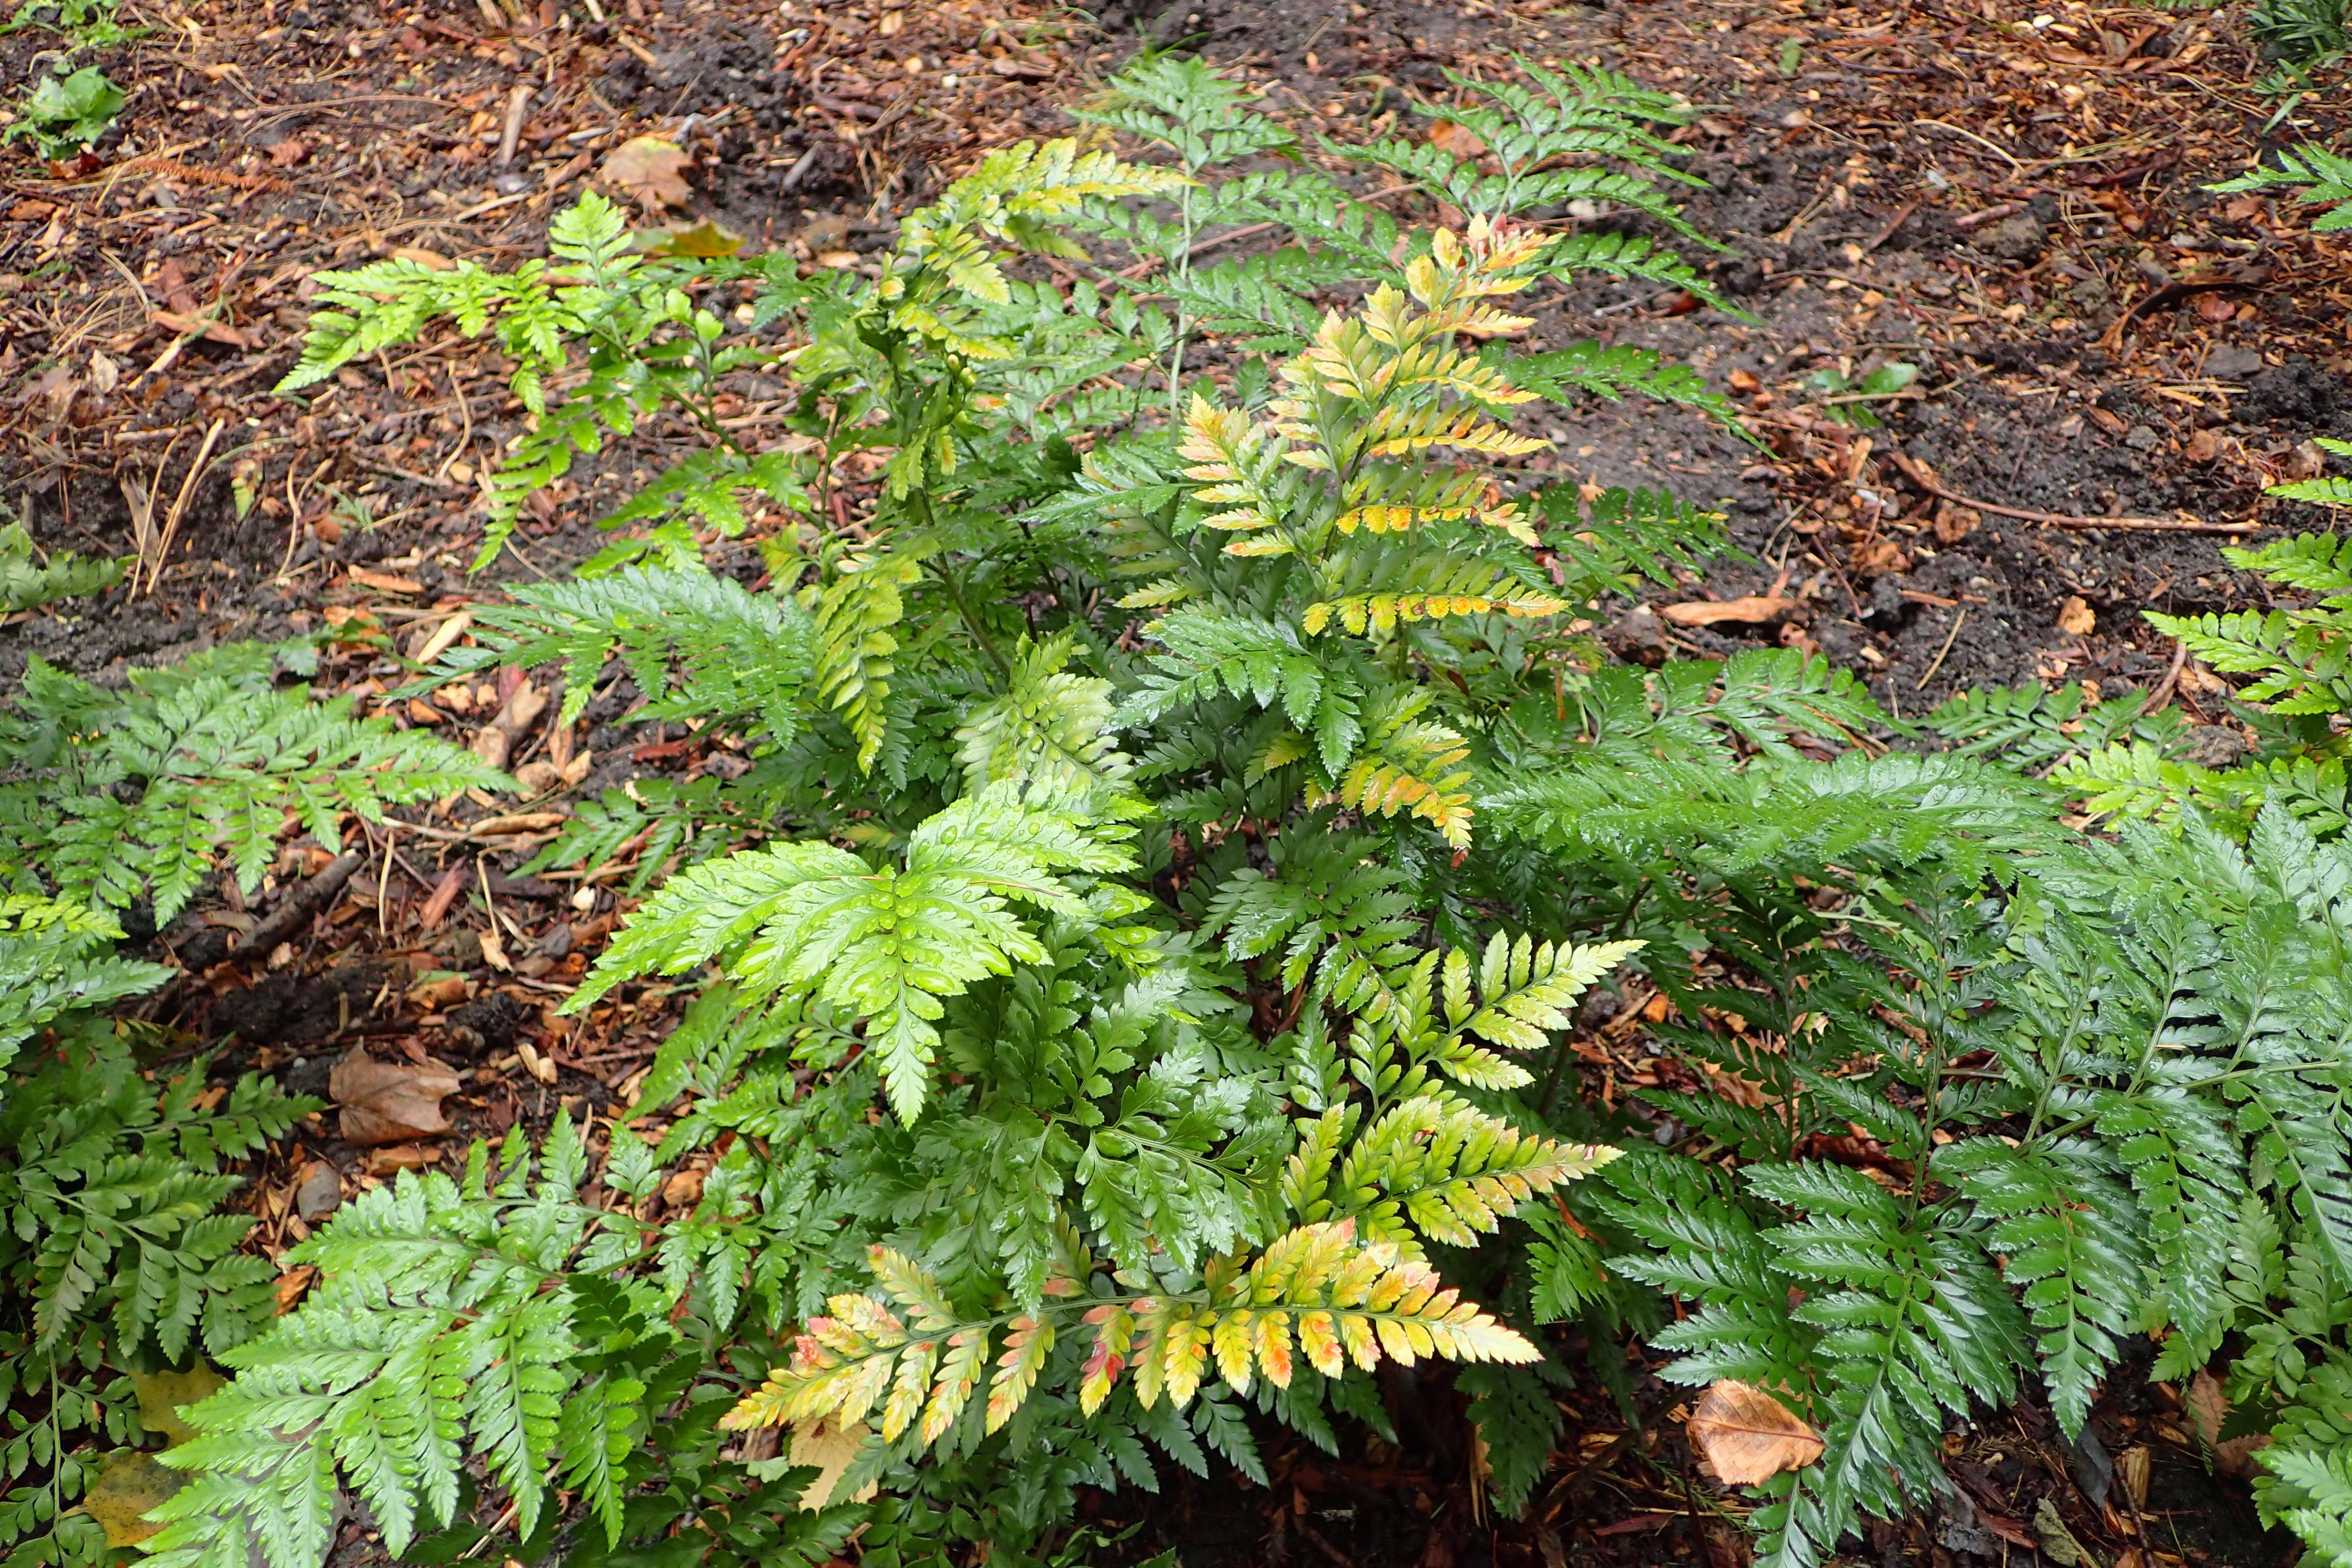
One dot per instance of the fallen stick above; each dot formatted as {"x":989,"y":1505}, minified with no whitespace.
{"x":1934,"y":487}
{"x":296,"y":907}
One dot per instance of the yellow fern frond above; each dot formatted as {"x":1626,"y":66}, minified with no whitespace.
{"x":1287,"y":747}
{"x":1342,"y":1298}
{"x":1395,"y":519}
{"x":1358,"y":612}
{"x":1227,"y":451}
{"x":1026,"y":1345}
{"x":1450,"y":370}
{"x":1262,"y":544}
{"x":1383,"y":789}
{"x":1512,"y":520}
{"x":1394,"y":431}
{"x":1114,"y":1331}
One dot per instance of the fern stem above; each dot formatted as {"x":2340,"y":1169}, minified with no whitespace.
{"x":972,"y":620}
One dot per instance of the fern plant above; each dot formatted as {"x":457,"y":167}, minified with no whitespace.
{"x":110,"y":796}
{"x":116,"y":1260}
{"x":1186,"y":805}
{"x":121,"y":1269}
{"x":1092,"y":1026}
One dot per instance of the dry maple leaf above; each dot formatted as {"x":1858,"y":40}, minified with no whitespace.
{"x":1747,"y":1437}
{"x":390,"y":1102}
{"x":650,"y":169}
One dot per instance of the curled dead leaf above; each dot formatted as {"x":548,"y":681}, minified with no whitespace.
{"x":1955,"y":523}
{"x":2075,"y":618}
{"x":390,"y":1102}
{"x":1747,"y":1437}
{"x":1757,"y":609}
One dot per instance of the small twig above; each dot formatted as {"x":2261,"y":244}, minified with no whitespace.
{"x":2163,"y":692}
{"x":1942,"y":653}
{"x":1887,"y":232}
{"x":1980,"y":140}
{"x":1926,"y":481}
{"x":294,"y":512}
{"x":465,"y":438}
{"x":1983,"y":215}
{"x":490,"y":1534}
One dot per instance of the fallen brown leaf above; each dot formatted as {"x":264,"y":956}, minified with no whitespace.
{"x":436,"y":991}
{"x":390,"y":1102}
{"x":385,"y":582}
{"x":517,"y":822}
{"x":201,"y":327}
{"x":292,"y":1284}
{"x":1747,"y":1437}
{"x":650,"y":169}
{"x":1755,"y":609}
{"x":2075,"y":618}
{"x":495,"y":743}
{"x":1955,"y":523}
{"x":1459,"y":139}
{"x":128,"y":1485}
{"x":162,"y":1394}
{"x":400,"y":1157}
{"x":830,"y":1449}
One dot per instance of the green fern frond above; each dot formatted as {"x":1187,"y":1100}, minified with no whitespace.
{"x":1049,"y":724}
{"x":57,"y":959}
{"x":63,"y":575}
{"x":886,"y":944}
{"x":138,"y":792}
{"x":2069,"y":1236}
{"x":856,"y":615}
{"x":2317,"y":176}
{"x":696,"y":645}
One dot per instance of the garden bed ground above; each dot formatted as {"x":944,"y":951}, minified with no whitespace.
{"x":2112,"y":362}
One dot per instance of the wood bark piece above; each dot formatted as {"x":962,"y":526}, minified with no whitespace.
{"x":496,"y":742}
{"x":297,"y":908}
